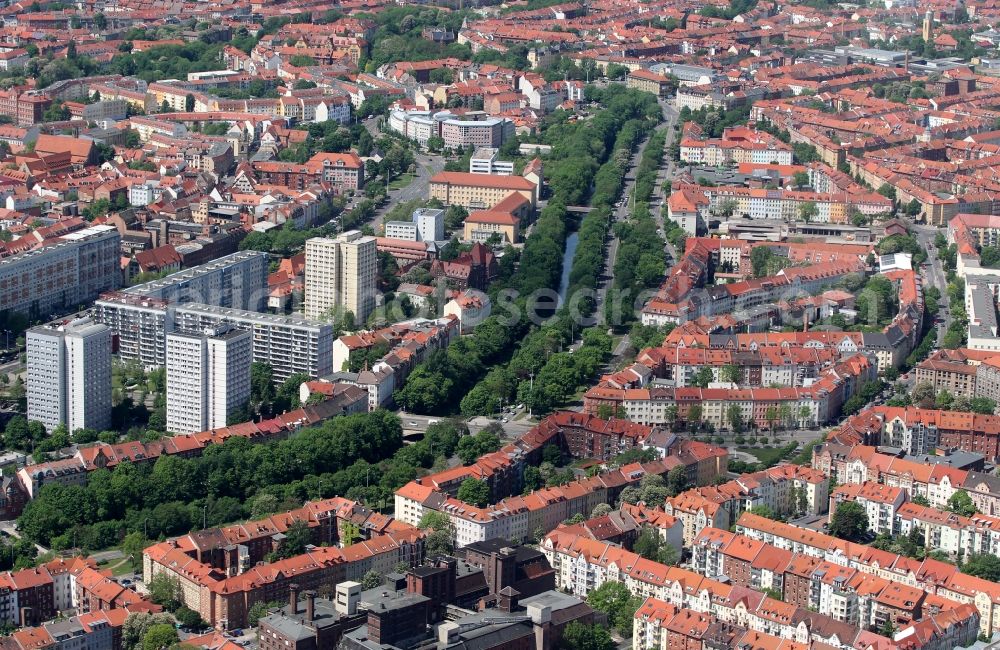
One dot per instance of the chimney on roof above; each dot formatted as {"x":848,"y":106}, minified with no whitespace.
{"x":310,"y":606}
{"x":293,"y":599}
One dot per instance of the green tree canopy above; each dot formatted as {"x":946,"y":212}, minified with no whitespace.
{"x":474,"y":492}
{"x":850,"y":522}
{"x":961,"y":503}
{"x":617,"y":602}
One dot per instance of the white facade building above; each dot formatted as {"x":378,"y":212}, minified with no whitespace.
{"x":430,"y":224}
{"x":484,"y":161}
{"x":238,"y":280}
{"x":208,"y":377}
{"x":69,"y":375}
{"x":401,"y":230}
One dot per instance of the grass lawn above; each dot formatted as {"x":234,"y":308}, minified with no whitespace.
{"x":401,"y":182}
{"x":768,"y":457}
{"x":119,"y":567}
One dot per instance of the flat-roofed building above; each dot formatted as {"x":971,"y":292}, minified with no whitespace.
{"x":238,"y":280}
{"x":340,"y":275}
{"x":208,"y":377}
{"x":69,"y":375}
{"x":61,"y":276}
{"x":290,"y":344}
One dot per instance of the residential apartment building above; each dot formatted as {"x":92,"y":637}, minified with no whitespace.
{"x":61,"y":276}
{"x":25,"y":108}
{"x":786,"y":205}
{"x":764,"y":408}
{"x":849,"y":593}
{"x":986,"y":381}
{"x":881,"y":503}
{"x":344,"y":171}
{"x":936,"y":579}
{"x":949,"y":370}
{"x":649,"y":82}
{"x":223,"y":598}
{"x":516,"y":516}
{"x":91,"y":631}
{"x":890,"y":512}
{"x":786,"y":490}
{"x":208,"y":377}
{"x":583,"y":565}
{"x":30,"y":596}
{"x":288,"y":343}
{"x":69,"y":375}
{"x":923,"y":431}
{"x":340,"y":276}
{"x":238,"y":280}
{"x":737,"y":145}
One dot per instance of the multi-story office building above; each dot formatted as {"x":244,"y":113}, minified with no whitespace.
{"x":456,"y":132}
{"x":289,"y":344}
{"x":401,"y":230}
{"x":491,"y":132}
{"x":238,"y":280}
{"x":427,"y":225}
{"x":430,"y":224}
{"x":478,"y":191}
{"x":208,"y":377}
{"x":484,"y":161}
{"x":340,"y":275}
{"x":69,"y":375}
{"x":62,"y":276}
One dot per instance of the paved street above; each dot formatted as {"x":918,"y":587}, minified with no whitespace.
{"x":7,"y":528}
{"x":623,"y":211}
{"x":935,"y":276}
{"x":514,"y":427}
{"x":15,"y":367}
{"x":427,"y":166}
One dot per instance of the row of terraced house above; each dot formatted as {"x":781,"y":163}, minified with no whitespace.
{"x":520,"y":517}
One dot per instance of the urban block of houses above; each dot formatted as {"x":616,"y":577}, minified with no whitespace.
{"x":222,"y":572}
{"x":513,"y":516}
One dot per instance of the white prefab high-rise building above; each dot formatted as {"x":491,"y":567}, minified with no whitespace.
{"x":340,"y":275}
{"x":69,"y":375}
{"x":208,"y":377}
{"x":430,"y":224}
